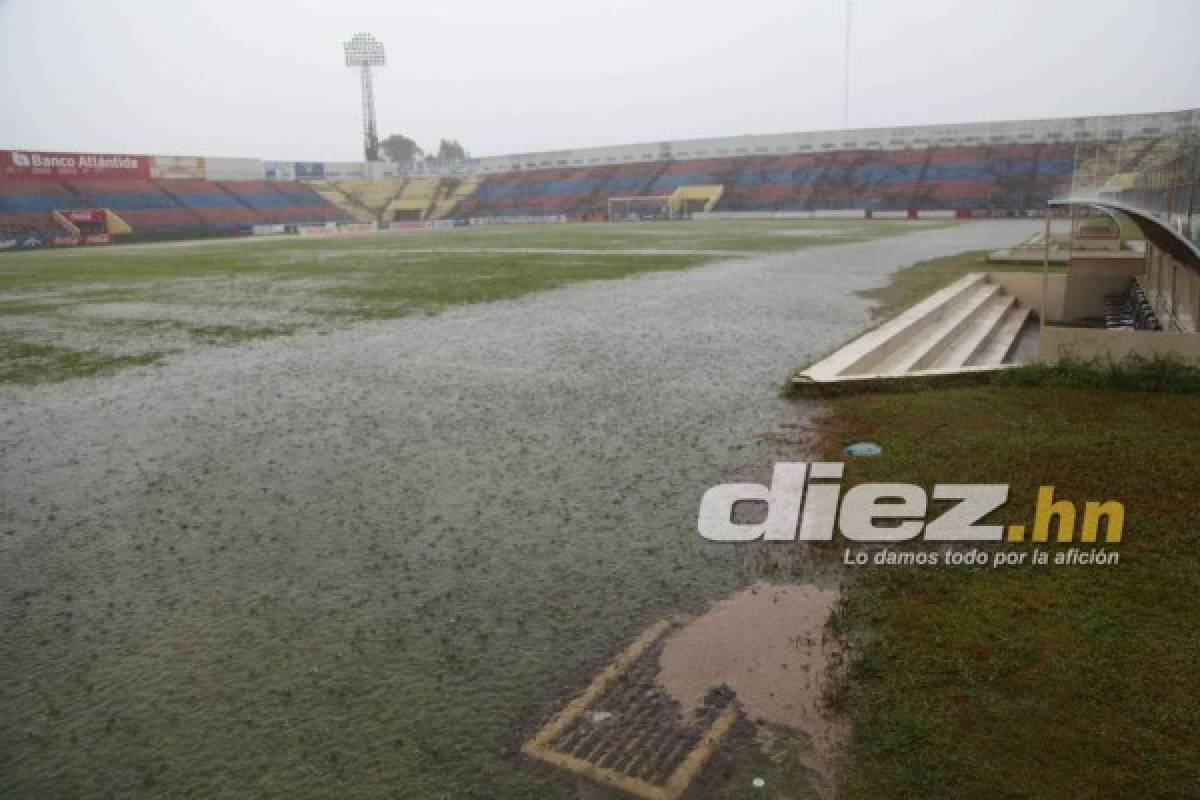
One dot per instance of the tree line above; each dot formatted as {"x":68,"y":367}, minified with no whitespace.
{"x":403,"y":150}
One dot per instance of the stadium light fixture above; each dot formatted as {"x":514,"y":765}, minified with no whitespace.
{"x":365,"y":51}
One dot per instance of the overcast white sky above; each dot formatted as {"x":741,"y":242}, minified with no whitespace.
{"x":265,"y":78}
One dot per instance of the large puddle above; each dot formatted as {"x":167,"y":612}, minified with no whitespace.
{"x":367,"y":563}
{"x":771,"y":645}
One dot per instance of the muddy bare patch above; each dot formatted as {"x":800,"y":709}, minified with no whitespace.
{"x":770,"y":645}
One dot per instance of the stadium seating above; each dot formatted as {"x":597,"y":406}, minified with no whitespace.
{"x":581,"y":193}
{"x":1150,"y":171}
{"x":1130,"y":310}
{"x":26,"y":205}
{"x":415,"y":198}
{"x":338,"y":198}
{"x":139,"y":202}
{"x":166,"y":206}
{"x":993,"y":178}
{"x":215,"y":207}
{"x":390,"y":198}
{"x":284,"y":202}
{"x":1003,"y":177}
{"x":452,"y":192}
{"x":307,"y":205}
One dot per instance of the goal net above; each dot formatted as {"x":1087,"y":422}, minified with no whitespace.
{"x":626,"y":208}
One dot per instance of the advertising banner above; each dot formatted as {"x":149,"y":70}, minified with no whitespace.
{"x":309,"y":170}
{"x":178,"y":168}
{"x":345,"y":169}
{"x":269,"y":230}
{"x":87,"y":238}
{"x":279,"y":170}
{"x":85,"y":215}
{"x":318,"y":230}
{"x":234,"y":169}
{"x":36,"y":165}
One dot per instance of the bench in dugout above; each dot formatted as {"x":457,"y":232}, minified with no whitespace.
{"x":1130,"y":310}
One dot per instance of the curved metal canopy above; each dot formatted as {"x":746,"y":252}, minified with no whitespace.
{"x":1154,"y":229}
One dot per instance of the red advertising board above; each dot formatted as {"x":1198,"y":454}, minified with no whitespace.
{"x":85,"y":215}
{"x":90,"y":238}
{"x":32,"y":165}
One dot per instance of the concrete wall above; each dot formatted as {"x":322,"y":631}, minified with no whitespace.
{"x":1079,"y":294}
{"x":1084,"y":295}
{"x":1172,"y":287}
{"x":832,"y":214}
{"x":345,"y":169}
{"x":1069,"y":298}
{"x":1027,"y":288}
{"x":1125,"y":263}
{"x":279,"y":170}
{"x":1087,"y":343}
{"x":1174,"y":290}
{"x":234,"y":169}
{"x":1078,"y":129}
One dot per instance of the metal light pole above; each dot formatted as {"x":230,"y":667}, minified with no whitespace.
{"x":846,"y":67}
{"x":1191,"y":194}
{"x":365,"y":51}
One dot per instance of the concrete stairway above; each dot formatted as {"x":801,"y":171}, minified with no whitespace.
{"x":450,"y":196}
{"x":330,"y":191}
{"x":967,"y":326}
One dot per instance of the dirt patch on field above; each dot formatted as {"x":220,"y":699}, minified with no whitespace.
{"x":770,"y":645}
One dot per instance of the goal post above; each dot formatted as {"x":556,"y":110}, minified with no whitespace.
{"x":636,"y":208}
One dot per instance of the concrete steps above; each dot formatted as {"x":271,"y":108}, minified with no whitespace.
{"x":996,"y":348}
{"x":956,"y":351}
{"x":969,"y":325}
{"x":947,"y":324}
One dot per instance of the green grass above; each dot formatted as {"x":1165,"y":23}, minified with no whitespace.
{"x":1031,"y":682}
{"x":436,"y":281}
{"x":1028,"y":682}
{"x":29,"y":362}
{"x":776,"y":759}
{"x":102,"y":308}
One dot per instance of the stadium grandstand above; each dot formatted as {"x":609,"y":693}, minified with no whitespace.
{"x":984,"y":169}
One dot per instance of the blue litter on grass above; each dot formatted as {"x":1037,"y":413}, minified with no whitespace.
{"x":863,"y":449}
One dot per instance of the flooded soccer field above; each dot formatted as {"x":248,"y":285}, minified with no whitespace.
{"x":349,"y":518}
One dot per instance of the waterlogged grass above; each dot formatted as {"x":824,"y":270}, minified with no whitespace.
{"x":1039,"y":682}
{"x":31,"y":362}
{"x":437,"y":281}
{"x":330,"y":583}
{"x":122,"y":304}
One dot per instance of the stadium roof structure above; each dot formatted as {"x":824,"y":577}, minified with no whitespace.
{"x":1155,"y":229}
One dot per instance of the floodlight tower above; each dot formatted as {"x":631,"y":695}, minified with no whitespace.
{"x":365,"y":51}
{"x":846,"y":67}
